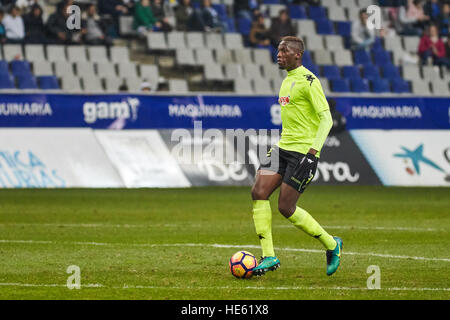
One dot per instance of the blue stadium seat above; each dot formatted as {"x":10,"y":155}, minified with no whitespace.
{"x":307,"y":57}
{"x":381,"y":85}
{"x":351,"y":72}
{"x":271,"y":1}
{"x":221,"y":10}
{"x":362,"y":57}
{"x":4,"y":67}
{"x":371,"y":72}
{"x":231,"y":24}
{"x":244,"y":26}
{"x":325,"y":27}
{"x":312,"y":67}
{"x":390,"y":71}
{"x":6,"y":81}
{"x":48,"y":82}
{"x":360,"y":85}
{"x":318,"y":13}
{"x":331,"y":72}
{"x":400,"y":85}
{"x":340,"y":85}
{"x":344,"y":28}
{"x":20,"y":67}
{"x":297,"y":12}
{"x":382,"y":57}
{"x":26,"y":82}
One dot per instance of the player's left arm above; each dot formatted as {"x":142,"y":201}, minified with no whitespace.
{"x":320,"y":104}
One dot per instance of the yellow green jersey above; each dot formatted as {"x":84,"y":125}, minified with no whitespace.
{"x":301,"y":100}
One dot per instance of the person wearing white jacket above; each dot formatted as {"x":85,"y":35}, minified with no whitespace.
{"x":14,"y":26}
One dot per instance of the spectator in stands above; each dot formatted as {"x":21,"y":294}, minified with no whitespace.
{"x":432,"y":48}
{"x":114,"y":8}
{"x":362,"y":36}
{"x":444,"y":20}
{"x":2,"y":27}
{"x":14,"y":26}
{"x":432,"y":9}
{"x":259,"y":34}
{"x":95,"y":33}
{"x":183,"y":15}
{"x":34,"y":26}
{"x":57,"y":27}
{"x":146,"y":86}
{"x":245,"y":8}
{"x":412,"y":20}
{"x":160,"y":15}
{"x":144,"y":20}
{"x":211,"y":18}
{"x":281,"y":27}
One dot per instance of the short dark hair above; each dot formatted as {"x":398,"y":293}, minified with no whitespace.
{"x":296,"y":41}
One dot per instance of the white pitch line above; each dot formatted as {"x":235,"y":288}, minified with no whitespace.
{"x":370,"y":228}
{"x":168,"y":225}
{"x":226,"y":246}
{"x":97,"y":285}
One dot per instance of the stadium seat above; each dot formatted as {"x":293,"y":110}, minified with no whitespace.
{"x":411,"y":43}
{"x":48,"y":82}
{"x":4,"y":68}
{"x":362,"y":57}
{"x":306,"y":27}
{"x":34,"y":52}
{"x":411,"y":72}
{"x":318,"y":13}
{"x":84,"y":68}
{"x":175,"y":40}
{"x":243,"y":86}
{"x":382,"y":58}
{"x":314,"y":42}
{"x":307,"y":57}
{"x":431,"y":72}
{"x":213,"y":72}
{"x":325,"y":27}
{"x":204,"y":56}
{"x":351,"y":72}
{"x":323,"y":57}
{"x":224,"y":56}
{"x":71,"y":83}
{"x":243,"y":56}
{"x":313,"y":68}
{"x":271,"y":71}
{"x":119,"y":54}
{"x":12,"y":51}
{"x":26,"y":82}
{"x":149,"y":72}
{"x":19,"y":67}
{"x":331,"y":72}
{"x":340,"y":85}
{"x":185,"y":57}
{"x":233,"y":41}
{"x":6,"y":81}
{"x":381,"y":85}
{"x":214,"y":41}
{"x":262,"y":56}
{"x":112,"y":84}
{"x":440,"y":87}
{"x":297,"y":11}
{"x":420,"y":87}
{"x":360,"y":85}
{"x":63,"y":68}
{"x":244,"y":26}
{"x":97,"y":53}
{"x":234,"y":71}
{"x":274,"y":10}
{"x":106,"y":69}
{"x":334,"y":43}
{"x":195,"y":40}
{"x":76,"y":53}
{"x":343,"y":58}
{"x":156,"y":41}
{"x":344,"y":28}
{"x":325,"y":85}
{"x":127,"y":69}
{"x":371,"y":72}
{"x":337,"y":14}
{"x":262,"y":86}
{"x":400,"y":86}
{"x":42,"y":68}
{"x":390,"y":72}
{"x":252,"y":71}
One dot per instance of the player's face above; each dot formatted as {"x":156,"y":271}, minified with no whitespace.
{"x":287,"y":57}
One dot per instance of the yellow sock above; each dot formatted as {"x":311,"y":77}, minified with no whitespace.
{"x":304,"y":221}
{"x":262,"y":217}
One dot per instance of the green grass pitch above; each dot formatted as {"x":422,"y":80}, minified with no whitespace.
{"x":175,"y":244}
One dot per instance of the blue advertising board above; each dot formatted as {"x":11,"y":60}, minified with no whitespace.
{"x":168,"y":112}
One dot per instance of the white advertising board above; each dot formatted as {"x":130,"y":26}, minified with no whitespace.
{"x":142,"y":159}
{"x":54,"y":158}
{"x":407,"y":157}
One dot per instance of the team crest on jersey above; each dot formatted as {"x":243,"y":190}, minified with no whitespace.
{"x":283,"y":101}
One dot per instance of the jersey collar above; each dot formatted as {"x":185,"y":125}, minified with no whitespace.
{"x":295,"y":71}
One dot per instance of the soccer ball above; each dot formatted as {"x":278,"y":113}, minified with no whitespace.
{"x":242,"y":264}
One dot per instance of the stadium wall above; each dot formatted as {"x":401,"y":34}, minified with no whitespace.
{"x":133,"y":141}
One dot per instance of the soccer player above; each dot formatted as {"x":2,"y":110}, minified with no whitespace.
{"x":292,"y":162}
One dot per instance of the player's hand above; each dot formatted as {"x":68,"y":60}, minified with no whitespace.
{"x":305,"y":170}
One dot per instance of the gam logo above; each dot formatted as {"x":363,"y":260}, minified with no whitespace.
{"x":94,"y":111}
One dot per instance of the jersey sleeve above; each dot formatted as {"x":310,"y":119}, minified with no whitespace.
{"x":314,"y":93}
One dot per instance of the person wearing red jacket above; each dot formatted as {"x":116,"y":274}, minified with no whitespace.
{"x":431,"y":46}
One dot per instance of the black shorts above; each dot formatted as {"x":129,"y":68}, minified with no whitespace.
{"x":283,"y":162}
